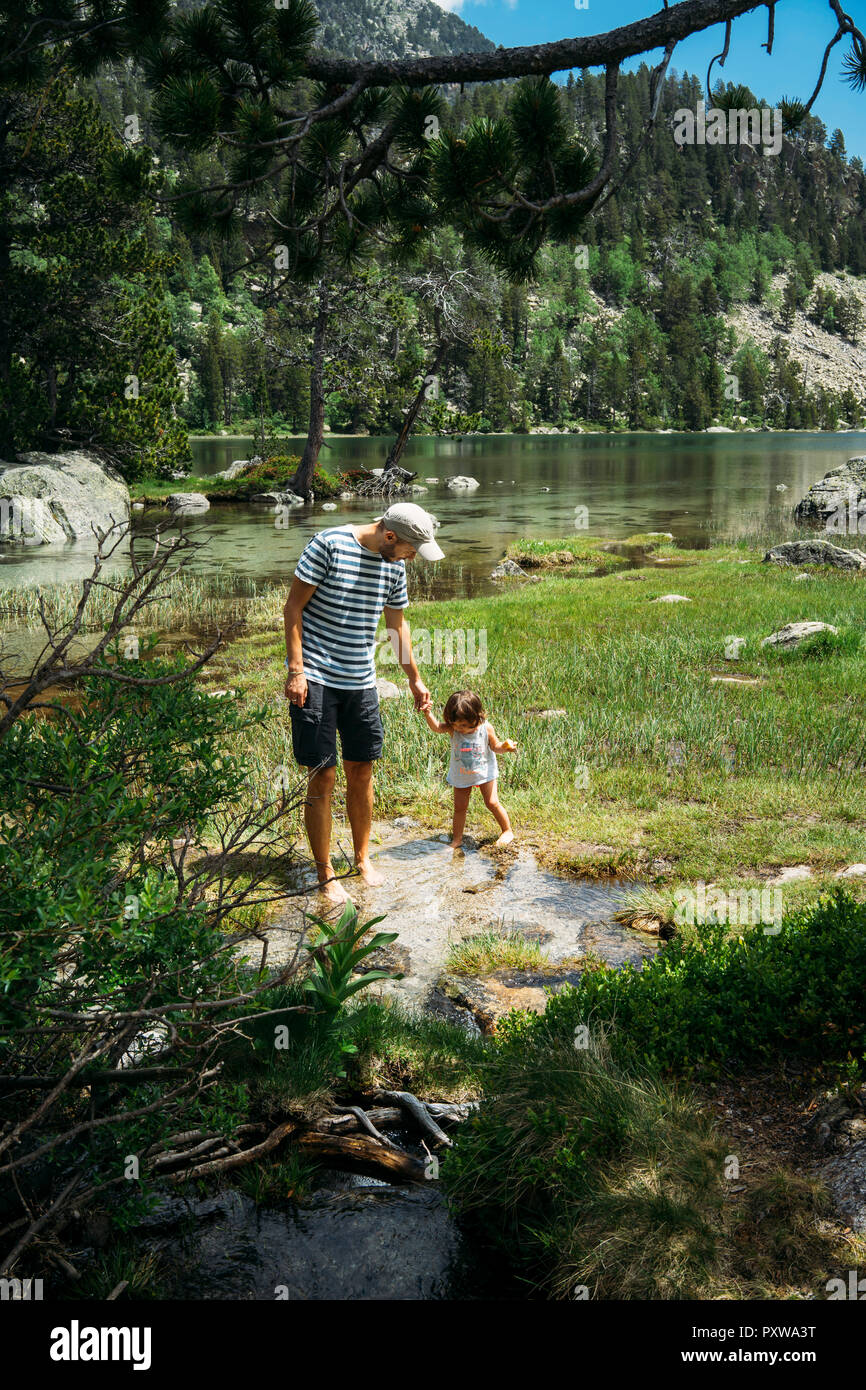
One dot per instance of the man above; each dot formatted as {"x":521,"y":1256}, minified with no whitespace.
{"x":345,"y":577}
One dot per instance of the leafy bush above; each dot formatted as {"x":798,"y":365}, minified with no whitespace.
{"x":734,"y":1001}
{"x":275,"y":474}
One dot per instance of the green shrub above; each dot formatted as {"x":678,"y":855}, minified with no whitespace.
{"x":734,"y":1001}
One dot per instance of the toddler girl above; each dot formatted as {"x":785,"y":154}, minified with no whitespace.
{"x":474,"y":746}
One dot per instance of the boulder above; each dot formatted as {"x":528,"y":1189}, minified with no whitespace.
{"x":816,"y":553}
{"x":387,"y":690}
{"x":48,"y":499}
{"x":235,"y":469}
{"x":845,"y":1176}
{"x":187,"y":503}
{"x":463,"y":484}
{"x":838,"y":498}
{"x":505,"y":568}
{"x":792,"y":634}
{"x":329,"y":506}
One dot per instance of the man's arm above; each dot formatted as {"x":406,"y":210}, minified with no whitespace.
{"x":401,"y":638}
{"x":299,"y":596}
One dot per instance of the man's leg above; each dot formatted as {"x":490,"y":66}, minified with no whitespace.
{"x":359,"y":808}
{"x":362,"y":738}
{"x":317,"y":819}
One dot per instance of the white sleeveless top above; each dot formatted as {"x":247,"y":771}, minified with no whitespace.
{"x":472,"y":759}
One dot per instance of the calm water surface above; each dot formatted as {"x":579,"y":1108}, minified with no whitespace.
{"x":529,"y":486}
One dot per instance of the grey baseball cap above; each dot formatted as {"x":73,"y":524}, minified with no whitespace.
{"x":412,"y":524}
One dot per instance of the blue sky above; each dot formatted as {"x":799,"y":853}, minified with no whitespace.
{"x":803,"y":29}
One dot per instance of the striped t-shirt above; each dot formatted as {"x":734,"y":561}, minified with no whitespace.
{"x":338,"y":624}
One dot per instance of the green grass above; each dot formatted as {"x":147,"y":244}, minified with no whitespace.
{"x":491,"y":950}
{"x":723,"y":782}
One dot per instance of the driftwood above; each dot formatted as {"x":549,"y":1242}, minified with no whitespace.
{"x":419,"y":1113}
{"x":359,"y":1153}
{"x":351,"y":1139}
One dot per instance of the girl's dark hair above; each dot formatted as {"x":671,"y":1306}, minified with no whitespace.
{"x":463,"y":705}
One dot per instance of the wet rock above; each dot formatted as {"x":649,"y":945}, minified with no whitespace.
{"x":363,"y":1243}
{"x":490,"y":999}
{"x":816,"y":553}
{"x":792,"y":634}
{"x":461,"y":483}
{"x":329,"y":506}
{"x":187,"y":503}
{"x":278,"y":499}
{"x":839,"y":492}
{"x":507,"y":568}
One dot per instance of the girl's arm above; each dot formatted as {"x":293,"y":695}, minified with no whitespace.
{"x":434,"y":723}
{"x":499,"y":745}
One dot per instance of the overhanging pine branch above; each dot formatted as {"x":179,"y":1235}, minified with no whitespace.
{"x":598,"y":50}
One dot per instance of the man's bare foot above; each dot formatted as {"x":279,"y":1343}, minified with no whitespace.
{"x":370,"y":876}
{"x":334,"y":891}
{"x":505,"y":838}
{"x":456,"y":844}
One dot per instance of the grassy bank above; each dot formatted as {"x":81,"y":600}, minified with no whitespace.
{"x":654,"y":768}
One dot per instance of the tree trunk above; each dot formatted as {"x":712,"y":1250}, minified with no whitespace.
{"x":302,"y":483}
{"x":412,"y":413}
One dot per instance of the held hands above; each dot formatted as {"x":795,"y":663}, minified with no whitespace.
{"x":423,"y":698}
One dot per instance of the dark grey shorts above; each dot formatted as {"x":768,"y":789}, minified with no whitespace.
{"x":354,"y":713}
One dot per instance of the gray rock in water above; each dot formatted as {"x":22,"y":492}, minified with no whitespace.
{"x":387,"y":690}
{"x":460,"y":483}
{"x":278,"y":499}
{"x":792,"y":634}
{"x":48,"y":499}
{"x":506,"y":568}
{"x":838,"y":499}
{"x":816,"y":553}
{"x":187,"y":503}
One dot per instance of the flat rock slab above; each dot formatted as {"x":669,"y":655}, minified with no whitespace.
{"x":424,"y":901}
{"x":50,"y":499}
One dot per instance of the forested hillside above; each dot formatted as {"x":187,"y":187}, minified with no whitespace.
{"x":719,"y":286}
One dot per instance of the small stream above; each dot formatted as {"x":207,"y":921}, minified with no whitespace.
{"x":355,"y":1238}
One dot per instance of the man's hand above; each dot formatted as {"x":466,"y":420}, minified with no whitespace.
{"x":296,"y":689}
{"x":423,"y":698}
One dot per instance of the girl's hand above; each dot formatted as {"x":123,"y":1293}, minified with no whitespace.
{"x":509,"y":746}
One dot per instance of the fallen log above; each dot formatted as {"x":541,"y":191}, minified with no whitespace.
{"x":359,"y":1153}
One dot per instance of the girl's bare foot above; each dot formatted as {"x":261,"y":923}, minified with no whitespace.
{"x":333,"y":891}
{"x":505,"y":838}
{"x":370,"y":876}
